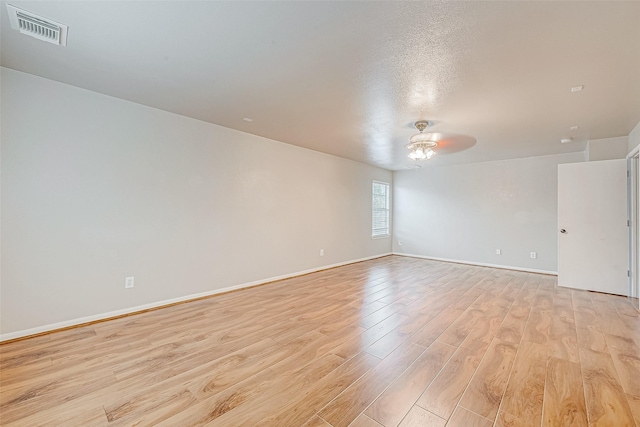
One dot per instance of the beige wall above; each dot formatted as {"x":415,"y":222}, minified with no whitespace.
{"x":607,"y":148}
{"x":95,"y":188}
{"x":465,"y":212}
{"x":634,"y":137}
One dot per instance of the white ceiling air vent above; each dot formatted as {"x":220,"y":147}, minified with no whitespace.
{"x":37,"y":26}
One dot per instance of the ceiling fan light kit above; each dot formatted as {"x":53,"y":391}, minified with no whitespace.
{"x":421,"y":145}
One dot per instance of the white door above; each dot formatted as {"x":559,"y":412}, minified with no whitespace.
{"x":592,"y":224}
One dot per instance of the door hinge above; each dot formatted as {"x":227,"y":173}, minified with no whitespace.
{"x":628,"y":273}
{"x":628,"y":175}
{"x":628,"y":223}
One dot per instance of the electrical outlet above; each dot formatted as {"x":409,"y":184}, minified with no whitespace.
{"x":498,"y":252}
{"x":534,"y":255}
{"x":321,"y":252}
{"x":128,"y":282}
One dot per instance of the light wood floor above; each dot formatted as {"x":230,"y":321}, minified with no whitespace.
{"x":392,"y":341}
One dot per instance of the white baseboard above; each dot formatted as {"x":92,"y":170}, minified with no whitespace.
{"x":158,"y":304}
{"x":481,"y":264}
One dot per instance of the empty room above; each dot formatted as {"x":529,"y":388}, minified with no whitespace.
{"x":319,"y":214}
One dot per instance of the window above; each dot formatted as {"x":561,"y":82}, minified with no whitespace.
{"x":380,"y":209}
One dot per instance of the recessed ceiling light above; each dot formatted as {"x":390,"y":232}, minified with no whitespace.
{"x":577,"y":88}
{"x":574,"y":128}
{"x":566,"y":140}
{"x":247,"y":119}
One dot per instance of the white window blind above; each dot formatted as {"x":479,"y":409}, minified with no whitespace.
{"x":380,"y":209}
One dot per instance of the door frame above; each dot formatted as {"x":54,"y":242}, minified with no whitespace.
{"x":633,"y":223}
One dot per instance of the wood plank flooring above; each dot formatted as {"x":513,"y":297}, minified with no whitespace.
{"x":395,"y":341}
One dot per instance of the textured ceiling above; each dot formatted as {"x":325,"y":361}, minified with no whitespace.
{"x":350,"y":78}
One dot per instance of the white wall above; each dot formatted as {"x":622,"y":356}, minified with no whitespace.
{"x":607,"y":148}
{"x":95,"y":188}
{"x":634,"y":137}
{"x":466,"y":212}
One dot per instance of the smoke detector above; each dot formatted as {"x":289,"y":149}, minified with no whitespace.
{"x":37,"y":26}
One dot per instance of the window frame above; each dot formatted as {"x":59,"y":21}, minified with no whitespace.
{"x":387,"y":210}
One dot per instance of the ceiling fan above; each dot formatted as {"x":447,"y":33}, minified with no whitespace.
{"x":422,"y":146}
